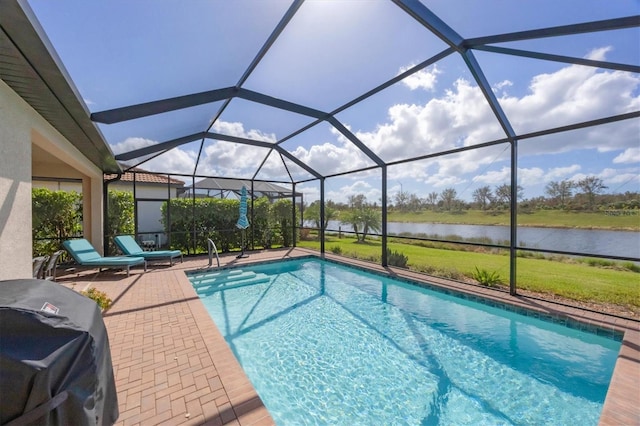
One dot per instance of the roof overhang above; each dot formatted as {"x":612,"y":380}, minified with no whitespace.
{"x":30,"y":66}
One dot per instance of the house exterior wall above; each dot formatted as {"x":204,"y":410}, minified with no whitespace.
{"x":20,"y":127}
{"x":15,"y":185}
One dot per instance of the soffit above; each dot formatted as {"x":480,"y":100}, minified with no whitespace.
{"x":29,"y":67}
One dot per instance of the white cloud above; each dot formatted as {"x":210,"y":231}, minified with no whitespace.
{"x":503,"y":84}
{"x":569,"y":95}
{"x":561,"y":173}
{"x":328,"y":157}
{"x":461,"y":117}
{"x":599,"y":54}
{"x":311,"y":192}
{"x":425,"y":79}
{"x":494,"y":177}
{"x":174,"y":161}
{"x":342,"y":193}
{"x":230,"y":159}
{"x":621,"y":180}
{"x":630,"y":155}
{"x":574,"y":94}
{"x":237,"y":129}
{"x":439,"y":181}
{"x":417,"y":171}
{"x":530,"y":176}
{"x":131,"y":144}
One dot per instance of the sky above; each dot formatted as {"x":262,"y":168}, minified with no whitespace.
{"x":120,"y":53}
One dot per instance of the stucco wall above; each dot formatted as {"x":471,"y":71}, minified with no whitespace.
{"x":20,"y":127}
{"x":15,"y":186}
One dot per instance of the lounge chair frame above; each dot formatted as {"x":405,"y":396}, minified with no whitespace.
{"x":86,"y":256}
{"x":129,"y":247}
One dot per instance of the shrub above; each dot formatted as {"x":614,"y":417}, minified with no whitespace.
{"x":98,"y":296}
{"x":484,"y":277}
{"x":601,"y":263}
{"x":120,"y":217}
{"x":336,"y":250}
{"x":56,"y":216}
{"x":396,"y":258}
{"x":631,"y":266}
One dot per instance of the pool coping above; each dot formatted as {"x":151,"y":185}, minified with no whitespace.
{"x":616,"y":409}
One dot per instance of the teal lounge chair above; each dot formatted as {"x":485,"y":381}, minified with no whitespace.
{"x":85,"y":255}
{"x":129,"y":247}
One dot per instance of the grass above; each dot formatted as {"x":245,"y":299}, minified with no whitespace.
{"x":576,"y":279}
{"x":540,"y":218}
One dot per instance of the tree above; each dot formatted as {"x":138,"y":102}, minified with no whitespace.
{"x":371,"y":220}
{"x":402,"y":200}
{"x":449,"y":199}
{"x":482,"y":196}
{"x":352,"y":218}
{"x":503,"y":193}
{"x":362,"y":217}
{"x":561,"y":191}
{"x":357,"y":201}
{"x":415,"y":203}
{"x":363,"y":221}
{"x":591,"y":186}
{"x":312,"y":212}
{"x":432,"y":199}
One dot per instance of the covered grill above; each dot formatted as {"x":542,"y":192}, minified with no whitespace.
{"x":55,"y":361}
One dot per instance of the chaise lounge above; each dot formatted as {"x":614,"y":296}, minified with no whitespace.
{"x":85,"y":255}
{"x":130,"y":247}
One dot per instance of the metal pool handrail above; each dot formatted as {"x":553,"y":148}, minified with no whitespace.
{"x":211,"y":247}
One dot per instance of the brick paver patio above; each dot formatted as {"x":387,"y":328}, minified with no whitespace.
{"x":172,"y":366}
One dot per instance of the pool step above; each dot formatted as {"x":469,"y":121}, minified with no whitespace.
{"x":212,"y":274}
{"x":225,"y":281}
{"x":222,"y":276}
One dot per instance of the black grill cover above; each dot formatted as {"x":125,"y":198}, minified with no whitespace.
{"x":55,"y":361}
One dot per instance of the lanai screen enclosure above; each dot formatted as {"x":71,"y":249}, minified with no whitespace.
{"x":377,"y":101}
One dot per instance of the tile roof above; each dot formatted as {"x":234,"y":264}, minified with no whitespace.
{"x":142,"y":176}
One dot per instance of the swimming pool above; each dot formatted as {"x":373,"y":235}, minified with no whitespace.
{"x":326,"y":344}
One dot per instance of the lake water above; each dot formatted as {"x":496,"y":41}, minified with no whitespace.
{"x":609,"y":243}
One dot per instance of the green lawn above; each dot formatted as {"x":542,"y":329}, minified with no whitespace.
{"x":576,"y":281}
{"x":542,"y":218}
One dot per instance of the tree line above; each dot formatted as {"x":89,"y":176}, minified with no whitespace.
{"x":365,"y":217}
{"x":583,"y":195}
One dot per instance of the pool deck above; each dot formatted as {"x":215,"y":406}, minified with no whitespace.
{"x":173,"y":367}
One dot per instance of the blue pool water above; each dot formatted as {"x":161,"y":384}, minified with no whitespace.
{"x":324,"y":344}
